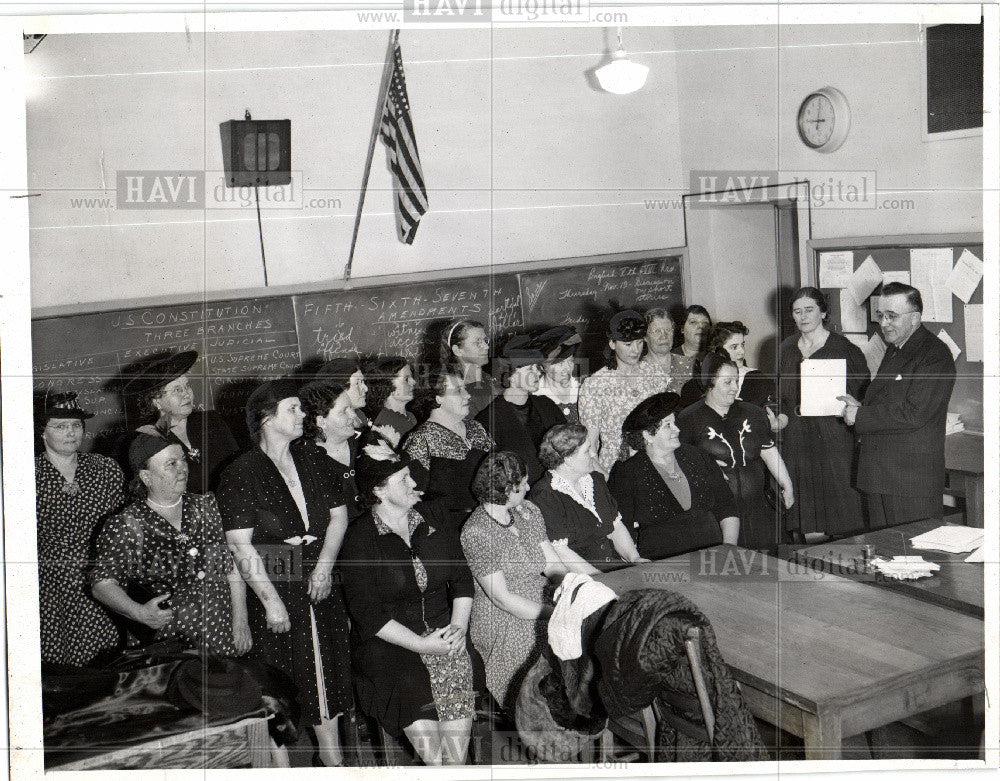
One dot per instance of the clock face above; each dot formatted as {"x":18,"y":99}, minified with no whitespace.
{"x":817,"y":120}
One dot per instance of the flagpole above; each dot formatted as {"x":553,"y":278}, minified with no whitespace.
{"x":379,"y":108}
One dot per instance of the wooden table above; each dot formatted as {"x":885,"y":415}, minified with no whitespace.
{"x":957,"y":585}
{"x":963,"y":466}
{"x":821,"y":656}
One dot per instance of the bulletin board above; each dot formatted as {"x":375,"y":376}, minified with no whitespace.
{"x":946,"y":314}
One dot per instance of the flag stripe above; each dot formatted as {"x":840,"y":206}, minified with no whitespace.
{"x":396,"y":131}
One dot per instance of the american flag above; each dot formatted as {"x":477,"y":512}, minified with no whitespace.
{"x":404,"y":160}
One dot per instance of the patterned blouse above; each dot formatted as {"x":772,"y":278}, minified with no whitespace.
{"x":606,"y":399}
{"x":139,"y":549}
{"x":430,"y":440}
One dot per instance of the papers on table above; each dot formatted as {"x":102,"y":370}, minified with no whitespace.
{"x":823,"y":380}
{"x":974,"y":332}
{"x":853,"y":317}
{"x":905,"y":567}
{"x":950,"y":539}
{"x":965,"y":277}
{"x":930,"y":271}
{"x":835,"y":268}
{"x":865,"y":280}
{"x":978,"y":556}
{"x":945,"y":337}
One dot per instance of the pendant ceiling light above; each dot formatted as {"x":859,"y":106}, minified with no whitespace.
{"x":621,"y":76}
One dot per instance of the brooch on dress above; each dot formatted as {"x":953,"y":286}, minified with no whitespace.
{"x":72,"y":488}
{"x":194,"y":454}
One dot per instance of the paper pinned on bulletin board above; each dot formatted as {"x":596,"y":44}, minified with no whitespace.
{"x":895,"y":276}
{"x":865,"y":280}
{"x":965,"y":277}
{"x":974,"y":332}
{"x":852,"y":315}
{"x":835,"y":268}
{"x":874,"y":352}
{"x":945,"y":337}
{"x":930,"y":269}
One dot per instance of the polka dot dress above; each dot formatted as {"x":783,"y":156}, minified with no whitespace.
{"x":74,"y":626}
{"x":139,"y":547}
{"x":253,"y":495}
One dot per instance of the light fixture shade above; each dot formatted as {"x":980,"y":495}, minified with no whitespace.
{"x":621,"y":76}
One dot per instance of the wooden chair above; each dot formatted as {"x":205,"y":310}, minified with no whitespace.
{"x":639,"y":729}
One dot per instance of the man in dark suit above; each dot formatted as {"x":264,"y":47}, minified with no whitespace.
{"x":901,"y":422}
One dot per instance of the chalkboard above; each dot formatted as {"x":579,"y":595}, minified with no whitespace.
{"x":967,"y":396}
{"x":239,"y":342}
{"x":586,"y":297}
{"x":403,"y":319}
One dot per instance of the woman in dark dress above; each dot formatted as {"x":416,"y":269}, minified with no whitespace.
{"x":448,"y":447}
{"x":517,"y":420}
{"x":819,"y":450}
{"x":285,"y":522}
{"x":166,"y":400}
{"x":578,"y":508}
{"x":331,"y":436}
{"x":414,"y":668}
{"x":163,"y":562}
{"x":672,"y":496}
{"x":74,"y":493}
{"x":738,"y":437}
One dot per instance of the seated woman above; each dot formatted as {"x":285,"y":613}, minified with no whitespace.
{"x":673,"y":496}
{"x":576,"y":503}
{"x":465,"y":352}
{"x":516,"y":420}
{"x":166,"y":401}
{"x":694,"y":331}
{"x":285,"y":520}
{"x":448,"y":447}
{"x":347,"y":372}
{"x":330,"y":436}
{"x":390,"y":388}
{"x":510,"y":555}
{"x":559,"y":346}
{"x":414,"y":673}
{"x":163,"y":561}
{"x":737,"y":435}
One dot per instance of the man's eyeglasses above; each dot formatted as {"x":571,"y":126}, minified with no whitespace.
{"x":891,"y":317}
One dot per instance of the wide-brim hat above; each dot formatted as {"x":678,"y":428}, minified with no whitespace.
{"x":60,"y":406}
{"x":627,"y":326}
{"x":160,"y":372}
{"x":650,"y":412}
{"x":558,"y":343}
{"x":519,"y":351}
{"x":215,"y":686}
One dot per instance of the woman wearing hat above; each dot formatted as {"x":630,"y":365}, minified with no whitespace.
{"x":409,"y":592}
{"x":737,"y":435}
{"x":517,"y":420}
{"x":163,"y":562}
{"x":558,"y":383}
{"x":285,"y":521}
{"x":672,"y":496}
{"x":74,"y":493}
{"x":390,"y":389}
{"x":465,"y":351}
{"x":448,"y":447}
{"x":165,"y":398}
{"x":611,"y":393}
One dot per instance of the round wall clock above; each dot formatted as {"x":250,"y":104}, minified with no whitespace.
{"x":824,"y":120}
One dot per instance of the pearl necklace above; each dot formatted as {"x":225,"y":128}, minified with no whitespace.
{"x":165,"y":506}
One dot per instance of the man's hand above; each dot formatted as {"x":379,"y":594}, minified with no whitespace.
{"x":851,"y":407}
